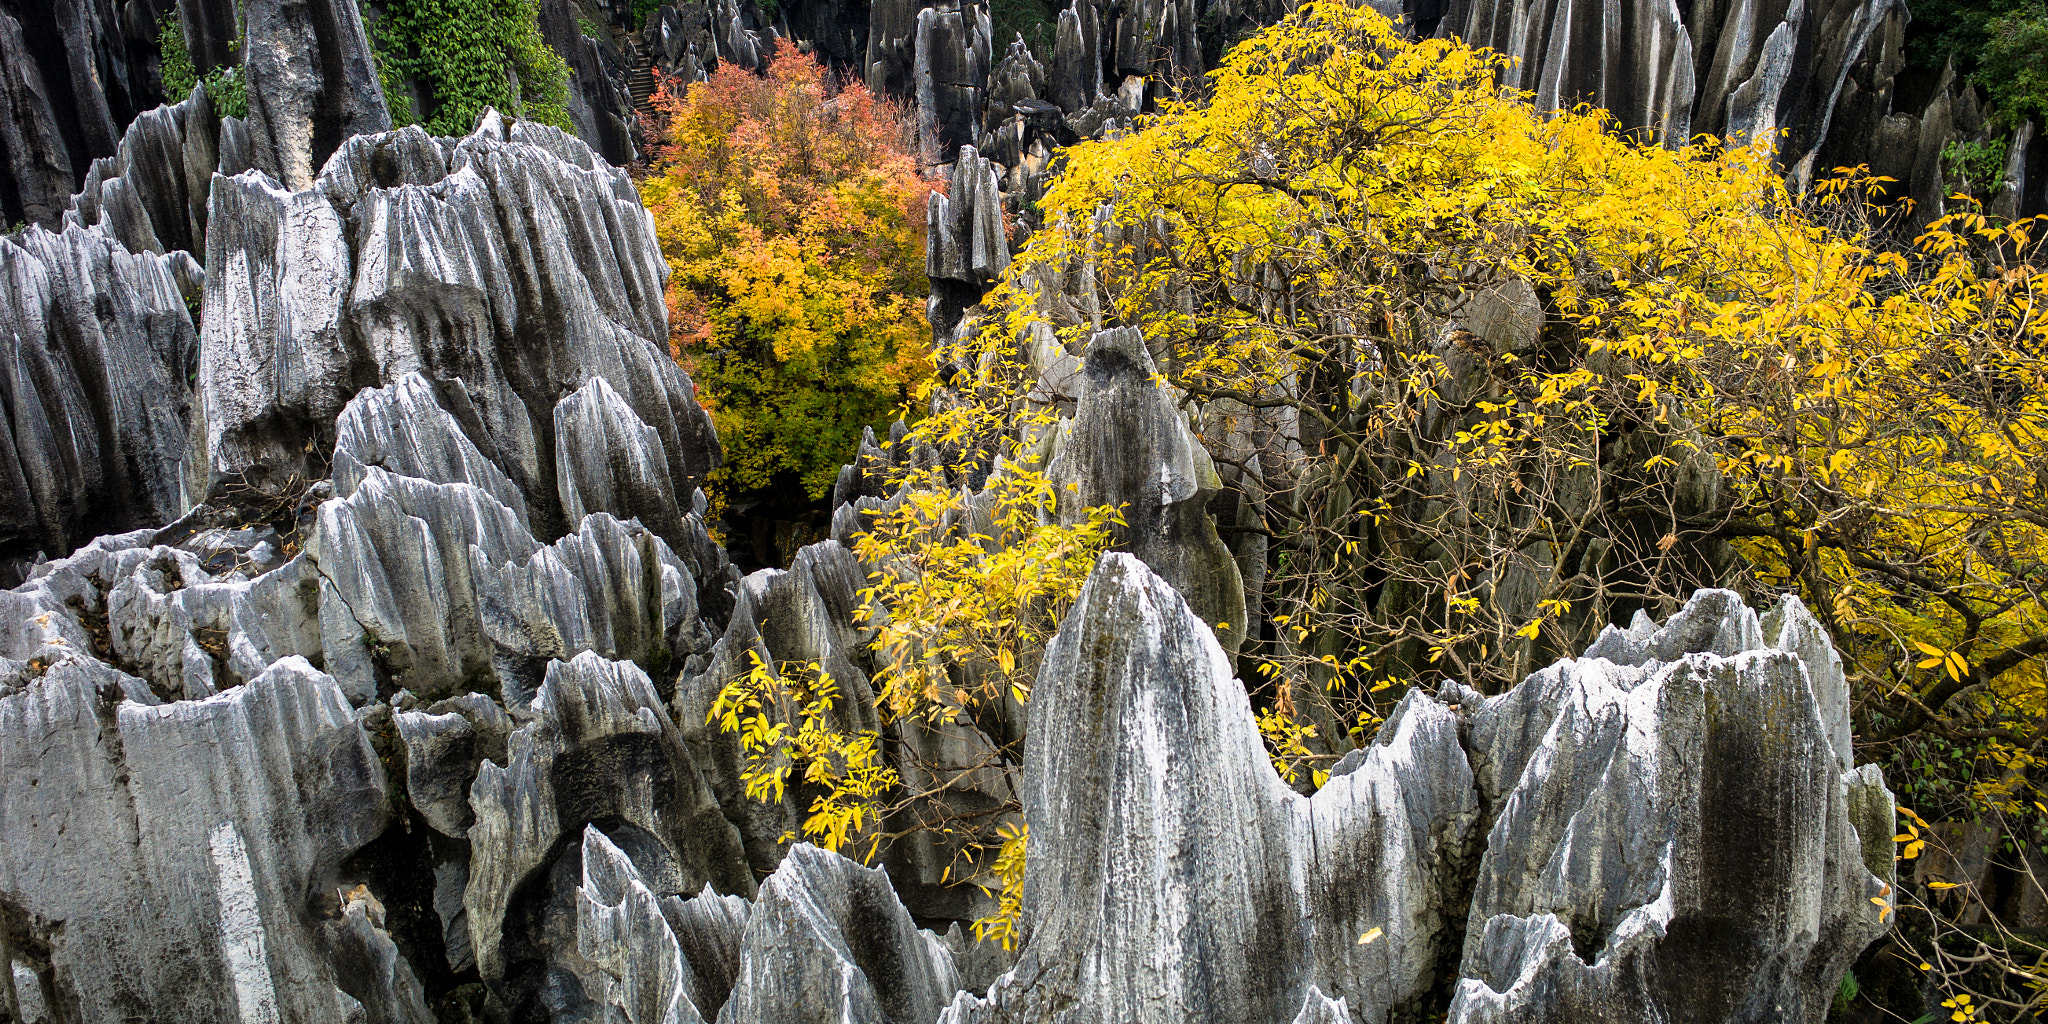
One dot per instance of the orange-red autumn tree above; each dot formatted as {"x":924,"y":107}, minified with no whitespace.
{"x":793,"y":216}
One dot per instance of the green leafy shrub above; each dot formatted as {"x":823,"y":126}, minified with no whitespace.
{"x":174,"y":59}
{"x":1035,"y":20}
{"x":1974,"y":167}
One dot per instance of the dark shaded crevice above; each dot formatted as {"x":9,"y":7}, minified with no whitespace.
{"x":1461,"y":870}
{"x":12,"y":212}
{"x":92,"y":617}
{"x":30,"y":941}
{"x":398,"y":867}
{"x":765,"y":529}
{"x":45,"y":42}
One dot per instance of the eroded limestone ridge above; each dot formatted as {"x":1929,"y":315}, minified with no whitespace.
{"x":1665,"y":829}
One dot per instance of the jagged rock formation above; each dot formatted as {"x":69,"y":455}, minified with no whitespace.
{"x":332,"y":614}
{"x":78,"y":72}
{"x":512,"y":261}
{"x":1600,"y":821}
{"x":1173,"y":876}
{"x":182,"y":857}
{"x":1612,"y":808}
{"x":600,"y":757}
{"x":1128,"y":446}
{"x":151,"y":194}
{"x":312,"y":83}
{"x":1633,"y":786}
{"x":600,"y":105}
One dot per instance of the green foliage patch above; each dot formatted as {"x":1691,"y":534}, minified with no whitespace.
{"x":2001,"y":44}
{"x":174,"y":60}
{"x":1035,"y":20}
{"x":1975,"y":167}
{"x":2014,"y":65}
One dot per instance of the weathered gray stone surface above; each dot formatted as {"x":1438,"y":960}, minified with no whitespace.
{"x":312,"y":82}
{"x":179,"y":857}
{"x":965,"y":240}
{"x":827,"y":941}
{"x":523,"y":266}
{"x":1636,"y":789}
{"x":408,"y":429}
{"x":152,"y":194}
{"x":78,"y":72}
{"x":445,"y":744}
{"x":1128,"y":445}
{"x":1174,"y":877}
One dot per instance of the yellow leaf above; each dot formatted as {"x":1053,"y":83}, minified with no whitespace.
{"x":1943,"y":885}
{"x":1369,"y":937}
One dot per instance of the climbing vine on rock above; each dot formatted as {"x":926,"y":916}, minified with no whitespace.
{"x":467,"y":55}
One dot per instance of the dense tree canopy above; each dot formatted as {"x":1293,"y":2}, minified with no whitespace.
{"x":793,"y":217}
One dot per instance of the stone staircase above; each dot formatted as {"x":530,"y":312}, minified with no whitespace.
{"x":640,"y":81}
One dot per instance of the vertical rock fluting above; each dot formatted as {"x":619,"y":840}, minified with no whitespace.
{"x":179,"y":859}
{"x":96,"y":348}
{"x":77,"y":72}
{"x":1172,"y":876}
{"x":512,"y":259}
{"x":311,"y":82}
{"x":1127,"y":445}
{"x":152,"y":193}
{"x":159,"y":699}
{"x":1641,"y":786}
